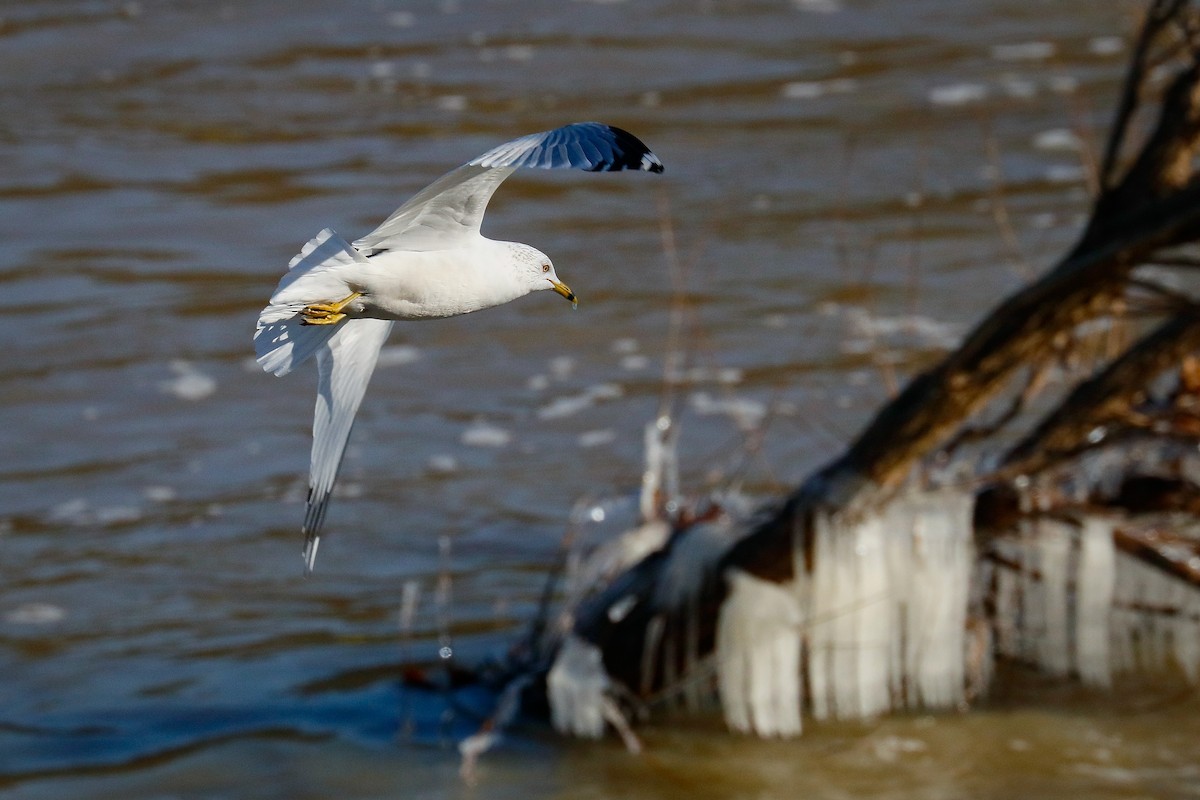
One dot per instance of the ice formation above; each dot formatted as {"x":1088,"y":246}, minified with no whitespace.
{"x":758,"y":665}
{"x":881,"y":616}
{"x":1070,"y":602}
{"x":577,"y":687}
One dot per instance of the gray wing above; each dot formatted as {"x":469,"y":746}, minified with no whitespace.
{"x":344,"y":367}
{"x":452,"y":207}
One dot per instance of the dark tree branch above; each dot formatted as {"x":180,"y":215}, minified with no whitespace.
{"x":1142,"y":210}
{"x":1109,"y":399}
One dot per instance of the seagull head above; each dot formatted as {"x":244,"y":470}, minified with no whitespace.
{"x":538,"y":269}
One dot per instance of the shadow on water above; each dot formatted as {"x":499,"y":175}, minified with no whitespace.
{"x":382,"y":716}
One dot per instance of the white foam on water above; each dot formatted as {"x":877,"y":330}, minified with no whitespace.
{"x":1017,"y":86}
{"x":561,"y":367}
{"x":401,"y":19}
{"x":605,"y":391}
{"x":484,"y":434}
{"x":811,"y":90}
{"x":818,"y":6}
{"x":743,"y":411}
{"x":868,"y":329}
{"x":561,"y":407}
{"x":625,"y":346}
{"x":890,"y":749}
{"x":35,"y":614}
{"x":957,"y":94}
{"x":1065,"y":173}
{"x":451,"y":102}
{"x":570,"y":405}
{"x":74,"y":510}
{"x":802,"y":90}
{"x":634,"y":363}
{"x":1064,"y":84}
{"x":398,"y":355}
{"x":722,"y":375}
{"x":79,"y":511}
{"x":1023,"y":51}
{"x":597,"y":438}
{"x":116,"y":515}
{"x":1106,"y":45}
{"x":519,"y":52}
{"x":1058,"y":139}
{"x":189,"y":382}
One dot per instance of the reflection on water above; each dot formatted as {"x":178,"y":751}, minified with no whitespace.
{"x":832,"y":194}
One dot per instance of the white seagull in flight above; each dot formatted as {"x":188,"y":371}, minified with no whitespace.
{"x":427,"y":260}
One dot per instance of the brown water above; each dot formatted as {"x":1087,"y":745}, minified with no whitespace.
{"x":830,"y":187}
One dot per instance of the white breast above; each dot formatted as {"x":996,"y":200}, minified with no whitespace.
{"x":406,"y":285}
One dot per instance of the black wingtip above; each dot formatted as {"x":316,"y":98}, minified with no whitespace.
{"x":633,"y":154}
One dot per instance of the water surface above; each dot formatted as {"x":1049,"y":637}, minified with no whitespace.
{"x":832,"y":177}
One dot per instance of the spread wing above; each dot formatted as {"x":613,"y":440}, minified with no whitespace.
{"x":344,"y":366}
{"x":452,"y":207}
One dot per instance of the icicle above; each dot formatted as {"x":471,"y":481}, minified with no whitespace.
{"x":690,"y":563}
{"x":576,"y":687}
{"x":660,"y":480}
{"x":758,"y":657}
{"x":899,"y":524}
{"x":940,"y":587}
{"x":1124,"y":620}
{"x":1033,"y":607}
{"x":1053,"y":545}
{"x":1156,"y":594}
{"x":821,"y":586}
{"x":840,"y":557}
{"x":1187,"y":633}
{"x":650,"y":651}
{"x":1093,"y":602}
{"x":875,"y":622}
{"x":882,"y":604}
{"x":1008,"y":611}
{"x":694,"y":552}
{"x":588,"y":574}
{"x":888,"y":607}
{"x":1185,"y":646}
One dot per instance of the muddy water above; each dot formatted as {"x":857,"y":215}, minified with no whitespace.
{"x":831,"y":176}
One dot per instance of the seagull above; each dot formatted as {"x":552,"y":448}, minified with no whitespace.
{"x":428,"y":260}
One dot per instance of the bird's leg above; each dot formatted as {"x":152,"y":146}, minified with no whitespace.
{"x":327,"y":313}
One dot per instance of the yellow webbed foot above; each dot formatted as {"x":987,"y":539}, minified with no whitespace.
{"x":327,"y":313}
